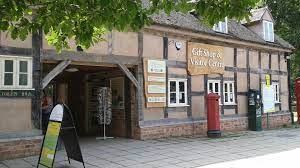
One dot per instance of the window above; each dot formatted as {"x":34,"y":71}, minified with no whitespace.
{"x":229,"y":96}
{"x":221,"y":26}
{"x":16,"y":72}
{"x":9,"y":72}
{"x":268,"y":31}
{"x":276,"y":92}
{"x":214,"y":86}
{"x":177,"y":92}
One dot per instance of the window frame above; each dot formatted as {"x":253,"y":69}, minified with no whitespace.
{"x":177,"y":104}
{"x":220,"y":26}
{"x":233,"y":102}
{"x":276,"y":92}
{"x":219,"y":84}
{"x":16,"y":72}
{"x":268,"y":31}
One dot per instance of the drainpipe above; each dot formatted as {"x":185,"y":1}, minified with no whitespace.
{"x":287,"y":57}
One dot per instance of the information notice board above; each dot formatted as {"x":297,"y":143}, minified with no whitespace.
{"x":155,"y":82}
{"x":61,"y":126}
{"x":268,"y":98}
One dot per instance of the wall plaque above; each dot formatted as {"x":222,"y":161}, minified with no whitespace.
{"x":205,"y":59}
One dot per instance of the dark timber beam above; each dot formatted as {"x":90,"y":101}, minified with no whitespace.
{"x":36,"y":78}
{"x":57,"y":70}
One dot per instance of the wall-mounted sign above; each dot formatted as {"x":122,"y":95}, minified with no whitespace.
{"x":156,"y":66}
{"x":268,"y":98}
{"x":156,"y":79}
{"x":16,"y":93}
{"x":155,"y":83}
{"x":268,"y":80}
{"x":156,"y":89}
{"x":156,"y":99}
{"x":205,"y":59}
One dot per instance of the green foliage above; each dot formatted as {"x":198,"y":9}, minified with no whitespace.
{"x":87,"y":20}
{"x":287,"y":16}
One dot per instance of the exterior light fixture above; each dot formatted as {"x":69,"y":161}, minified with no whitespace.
{"x":178,"y":45}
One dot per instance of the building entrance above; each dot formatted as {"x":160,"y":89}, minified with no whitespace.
{"x":77,"y":87}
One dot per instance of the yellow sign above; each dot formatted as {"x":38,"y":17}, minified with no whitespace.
{"x":268,"y":80}
{"x":205,"y":59}
{"x":50,"y":142}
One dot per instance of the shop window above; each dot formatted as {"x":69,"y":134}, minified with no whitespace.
{"x":268,"y":30}
{"x":16,"y":72}
{"x":228,"y":93}
{"x":177,"y":92}
{"x":276,"y":92}
{"x":221,"y":26}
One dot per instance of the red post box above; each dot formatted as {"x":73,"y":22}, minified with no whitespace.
{"x":297,"y":94}
{"x":213,"y":116}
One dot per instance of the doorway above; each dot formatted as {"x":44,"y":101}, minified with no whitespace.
{"x":78,"y":89}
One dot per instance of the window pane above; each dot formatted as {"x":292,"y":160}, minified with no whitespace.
{"x":9,"y":65}
{"x":225,"y":89}
{"x":181,"y":86}
{"x":172,"y":97}
{"x":181,"y":98}
{"x":216,"y":88}
{"x":226,"y":97}
{"x":8,"y":79}
{"x":172,"y":86}
{"x":23,"y":66}
{"x":210,"y":87}
{"x":230,"y":87}
{"x":23,"y":79}
{"x":231,"y":97}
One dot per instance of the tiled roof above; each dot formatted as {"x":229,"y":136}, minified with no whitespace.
{"x":235,"y":29}
{"x":256,"y":15}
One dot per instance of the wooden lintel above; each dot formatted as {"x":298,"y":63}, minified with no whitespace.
{"x":87,"y":58}
{"x":57,"y":70}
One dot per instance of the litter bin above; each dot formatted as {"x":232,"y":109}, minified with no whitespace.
{"x":254,"y":110}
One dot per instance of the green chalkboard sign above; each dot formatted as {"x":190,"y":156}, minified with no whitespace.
{"x":16,"y":93}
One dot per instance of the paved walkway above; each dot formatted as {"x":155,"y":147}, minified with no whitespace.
{"x":276,"y":148}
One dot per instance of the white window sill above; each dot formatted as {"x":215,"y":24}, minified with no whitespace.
{"x":179,"y":105}
{"x":17,"y":89}
{"x":230,"y":104}
{"x":277,"y":102}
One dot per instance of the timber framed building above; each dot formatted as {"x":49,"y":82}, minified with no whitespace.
{"x":159,"y":78}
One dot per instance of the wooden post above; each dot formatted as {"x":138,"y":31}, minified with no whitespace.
{"x":36,"y":78}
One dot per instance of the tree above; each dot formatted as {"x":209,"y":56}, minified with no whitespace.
{"x":86,"y":21}
{"x":287,"y":15}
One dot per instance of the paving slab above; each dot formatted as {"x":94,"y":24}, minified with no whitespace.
{"x":231,"y":151}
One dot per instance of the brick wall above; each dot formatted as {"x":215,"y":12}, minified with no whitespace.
{"x":20,"y":147}
{"x":200,"y":127}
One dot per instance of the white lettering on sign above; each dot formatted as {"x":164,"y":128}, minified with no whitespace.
{"x":156,"y":79}
{"x":156,"y":99}
{"x":205,"y":53}
{"x":156,"y":89}
{"x":156,"y":66}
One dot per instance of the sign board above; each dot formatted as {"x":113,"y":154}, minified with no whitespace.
{"x":60,"y":125}
{"x":156,"y":66}
{"x":205,"y":59}
{"x":155,"y":82}
{"x":268,"y":80}
{"x":268,"y":98}
{"x":16,"y":93}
